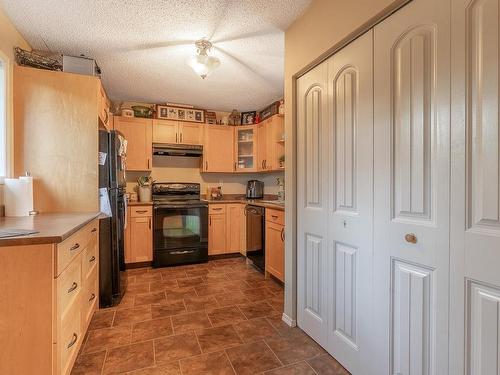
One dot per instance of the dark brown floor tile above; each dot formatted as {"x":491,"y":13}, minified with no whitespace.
{"x":180,"y":293}
{"x":190,"y":321}
{"x":149,"y":298}
{"x":207,"y":364}
{"x":209,"y":289}
{"x":235,"y":285}
{"x":162,"y":285}
{"x":256,"y":310}
{"x":189,"y":282}
{"x":255,"y":329}
{"x":151,"y":329}
{"x":138,"y":288}
{"x":225,"y":315}
{"x":173,"y":273}
{"x":173,"y":348}
{"x":126,"y":302}
{"x":89,"y":364}
{"x":101,"y":339}
{"x":245,"y":275}
{"x":197,"y":272}
{"x":215,"y":278}
{"x":276,"y":303}
{"x":252,"y":358}
{"x":130,"y":357}
{"x":170,"y":369}
{"x":327,"y":365}
{"x":231,"y":298}
{"x":132,"y":315}
{"x":102,"y":319}
{"x":213,"y":339}
{"x":258,"y":294}
{"x":137,"y":271}
{"x":167,"y":309}
{"x":280,"y":326}
{"x":200,"y":303}
{"x":290,"y":349}
{"x":301,"y":368}
{"x":147,"y":277}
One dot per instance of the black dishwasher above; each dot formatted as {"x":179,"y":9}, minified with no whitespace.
{"x":256,"y":245}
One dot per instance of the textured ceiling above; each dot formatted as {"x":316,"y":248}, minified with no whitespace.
{"x":142,"y":46}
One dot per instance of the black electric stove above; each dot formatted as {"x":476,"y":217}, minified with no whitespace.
{"x":180,"y":229}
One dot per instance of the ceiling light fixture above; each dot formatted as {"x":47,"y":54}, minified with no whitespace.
{"x":202,"y":63}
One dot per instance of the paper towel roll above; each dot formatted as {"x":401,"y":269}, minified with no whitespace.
{"x":18,"y":196}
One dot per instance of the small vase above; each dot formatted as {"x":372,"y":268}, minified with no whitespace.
{"x":145,"y":193}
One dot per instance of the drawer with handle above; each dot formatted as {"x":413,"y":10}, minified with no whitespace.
{"x":89,"y":259}
{"x":140,"y":211}
{"x":216,"y":208}
{"x":90,"y":295}
{"x":69,"y":340}
{"x":275,"y":216}
{"x":72,"y":246}
{"x":69,"y":284}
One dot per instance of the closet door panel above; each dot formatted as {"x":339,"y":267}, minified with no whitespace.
{"x":312,"y":203}
{"x":411,"y":188}
{"x":350,"y":187}
{"x":475,"y":177}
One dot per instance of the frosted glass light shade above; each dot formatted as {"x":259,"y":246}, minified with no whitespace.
{"x":203,"y":64}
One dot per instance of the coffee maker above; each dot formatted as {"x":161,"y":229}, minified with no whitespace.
{"x":255,"y":189}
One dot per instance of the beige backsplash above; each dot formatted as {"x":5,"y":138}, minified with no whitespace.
{"x":181,"y":169}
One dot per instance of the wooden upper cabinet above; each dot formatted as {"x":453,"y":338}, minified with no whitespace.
{"x":262,"y":129}
{"x":138,"y":133}
{"x":218,"y":149}
{"x":245,"y":148}
{"x":165,"y":131}
{"x":190,"y":133}
{"x":275,"y":145}
{"x":182,"y":132}
{"x":103,"y":104}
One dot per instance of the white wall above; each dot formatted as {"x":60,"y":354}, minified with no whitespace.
{"x":184,"y":169}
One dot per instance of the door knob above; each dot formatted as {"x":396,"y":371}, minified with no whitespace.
{"x":411,"y":238}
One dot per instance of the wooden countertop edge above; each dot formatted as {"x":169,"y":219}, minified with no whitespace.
{"x":46,"y":240}
{"x":274,"y":206}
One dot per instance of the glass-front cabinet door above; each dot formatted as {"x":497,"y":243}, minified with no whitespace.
{"x":246,"y":149}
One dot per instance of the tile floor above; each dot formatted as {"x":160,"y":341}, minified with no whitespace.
{"x":220,"y":317}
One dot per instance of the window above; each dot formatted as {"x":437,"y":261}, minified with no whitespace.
{"x":3,"y":118}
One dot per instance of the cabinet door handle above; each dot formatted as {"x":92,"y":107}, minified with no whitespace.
{"x":74,"y":247}
{"x":141,"y":211}
{"x":73,"y":340}
{"x":235,"y":166}
{"x":210,"y":221}
{"x":274,"y":216}
{"x":92,"y":297}
{"x":283,"y":234}
{"x":216,"y":208}
{"x":262,"y":164}
{"x":149,"y":223}
{"x":148,"y":164}
{"x":92,"y":259}
{"x":181,"y":138}
{"x":93,"y":230}
{"x":176,"y":138}
{"x":73,"y":287}
{"x":206,"y":165}
{"x":107,"y":116}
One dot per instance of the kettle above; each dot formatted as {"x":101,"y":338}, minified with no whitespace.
{"x":255,"y":189}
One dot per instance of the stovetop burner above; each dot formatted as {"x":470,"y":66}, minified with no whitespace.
{"x":176,"y":193}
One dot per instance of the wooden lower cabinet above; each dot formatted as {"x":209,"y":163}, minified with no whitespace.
{"x":139,"y":235}
{"x":226,"y":231}
{"x":275,"y":244}
{"x":51,"y":299}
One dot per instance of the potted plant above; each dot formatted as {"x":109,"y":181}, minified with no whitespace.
{"x":144,"y":183}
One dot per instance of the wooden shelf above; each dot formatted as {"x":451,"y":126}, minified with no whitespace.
{"x":250,"y":141}
{"x":245,"y":156}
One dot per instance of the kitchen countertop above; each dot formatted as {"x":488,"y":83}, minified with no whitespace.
{"x":236,"y":198}
{"x":52,"y":228}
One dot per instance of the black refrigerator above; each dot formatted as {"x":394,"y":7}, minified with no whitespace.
{"x":112,"y":184}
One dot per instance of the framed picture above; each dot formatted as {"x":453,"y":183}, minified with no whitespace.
{"x":210,"y":117}
{"x":269,"y":111}
{"x":167,"y":112}
{"x":248,"y":118}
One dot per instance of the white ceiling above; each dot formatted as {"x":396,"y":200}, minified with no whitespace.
{"x":142,"y":46}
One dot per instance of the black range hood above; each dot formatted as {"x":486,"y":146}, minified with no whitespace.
{"x":172,"y":149}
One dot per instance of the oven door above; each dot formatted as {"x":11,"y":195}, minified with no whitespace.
{"x":180,"y":234}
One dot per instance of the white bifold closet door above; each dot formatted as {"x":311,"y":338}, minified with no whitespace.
{"x":411,"y":189}
{"x":335,"y":200}
{"x":475,"y":193}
